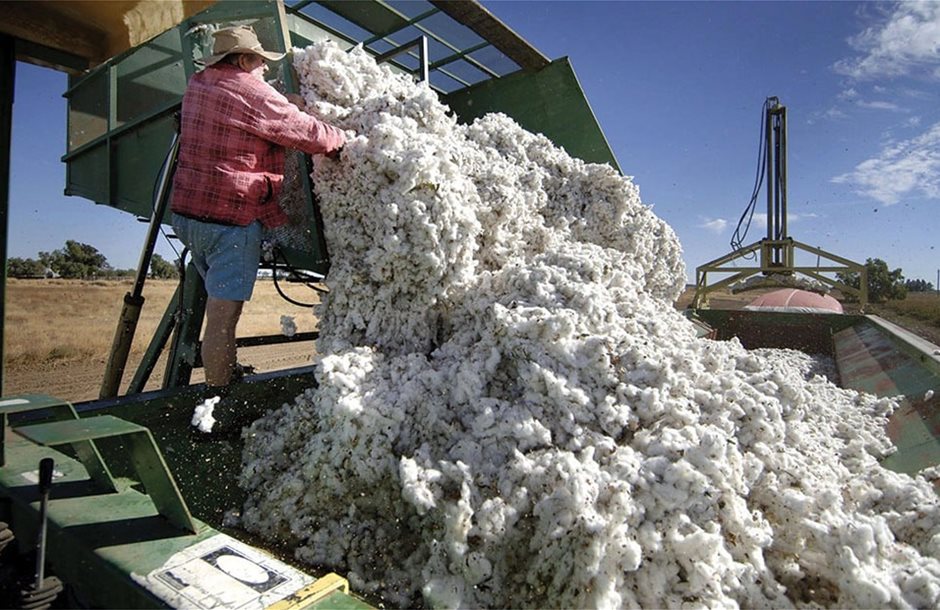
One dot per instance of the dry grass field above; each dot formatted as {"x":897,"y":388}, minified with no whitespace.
{"x":58,"y":333}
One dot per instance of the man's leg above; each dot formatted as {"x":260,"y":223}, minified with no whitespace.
{"x":218,"y":342}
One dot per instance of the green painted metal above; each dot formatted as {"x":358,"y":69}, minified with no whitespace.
{"x":92,"y":537}
{"x":404,"y":21}
{"x":203,"y":465}
{"x":371,"y":16}
{"x":184,"y":352}
{"x":134,"y":300}
{"x":875,"y":361}
{"x":57,"y":411}
{"x":104,"y":545}
{"x":157,"y":343}
{"x":883,"y":359}
{"x":147,"y":461}
{"x":341,"y":601}
{"x":549,"y":101}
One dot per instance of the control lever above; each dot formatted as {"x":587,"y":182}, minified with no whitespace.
{"x":44,"y":590}
{"x":45,"y":485}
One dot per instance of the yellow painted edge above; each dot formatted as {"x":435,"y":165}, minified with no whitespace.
{"x":312,"y":593}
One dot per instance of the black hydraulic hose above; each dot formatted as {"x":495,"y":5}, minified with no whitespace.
{"x":744,"y":223}
{"x":280,"y":255}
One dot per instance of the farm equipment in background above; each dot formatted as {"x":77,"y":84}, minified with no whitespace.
{"x":139,"y":514}
{"x":777,"y":251}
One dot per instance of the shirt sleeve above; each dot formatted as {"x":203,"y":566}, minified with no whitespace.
{"x":280,"y":122}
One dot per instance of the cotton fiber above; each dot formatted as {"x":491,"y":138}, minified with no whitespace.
{"x":511,"y":413}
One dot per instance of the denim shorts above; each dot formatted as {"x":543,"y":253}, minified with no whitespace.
{"x":226,"y":256}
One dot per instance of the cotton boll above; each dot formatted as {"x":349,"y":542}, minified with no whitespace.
{"x":202,"y":415}
{"x":288,"y":326}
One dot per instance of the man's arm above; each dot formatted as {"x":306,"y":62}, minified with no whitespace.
{"x":281,"y":122}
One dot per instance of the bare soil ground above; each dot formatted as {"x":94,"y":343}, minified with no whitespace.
{"x":58,"y":333}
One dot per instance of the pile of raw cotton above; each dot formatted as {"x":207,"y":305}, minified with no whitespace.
{"x":510,"y":413}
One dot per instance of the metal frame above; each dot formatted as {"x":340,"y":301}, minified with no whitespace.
{"x":471,"y":15}
{"x":776,"y":251}
{"x":422,"y":43}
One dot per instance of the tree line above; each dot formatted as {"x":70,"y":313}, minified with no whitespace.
{"x":76,"y":260}
{"x":884,"y":284}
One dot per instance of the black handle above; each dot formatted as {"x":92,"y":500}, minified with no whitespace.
{"x":45,"y":474}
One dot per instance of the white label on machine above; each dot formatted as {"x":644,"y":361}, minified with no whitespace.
{"x":222,"y":572}
{"x":33,"y":475}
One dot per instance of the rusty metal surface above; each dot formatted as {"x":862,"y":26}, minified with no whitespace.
{"x":811,"y":333}
{"x":871,"y":359}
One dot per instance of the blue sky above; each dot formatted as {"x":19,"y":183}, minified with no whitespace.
{"x":678,"y":89}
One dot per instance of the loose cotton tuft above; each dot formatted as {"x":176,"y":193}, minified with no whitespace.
{"x":511,"y":413}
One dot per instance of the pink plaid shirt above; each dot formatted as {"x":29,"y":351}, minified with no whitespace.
{"x":232,"y":138}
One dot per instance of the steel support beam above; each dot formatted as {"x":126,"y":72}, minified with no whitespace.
{"x":7,"y":82}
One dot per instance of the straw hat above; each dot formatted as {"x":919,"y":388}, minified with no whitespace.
{"x":239,"y":39}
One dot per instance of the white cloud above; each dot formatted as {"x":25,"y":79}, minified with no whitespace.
{"x":914,"y":121}
{"x":848,"y":94}
{"x":798,"y":217}
{"x":715,"y":225}
{"x":760,"y":219}
{"x":835,"y":113}
{"x":879,"y":105}
{"x":908,"y":40}
{"x":908,"y":168}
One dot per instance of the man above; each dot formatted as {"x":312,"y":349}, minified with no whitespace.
{"x":233,"y":131}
